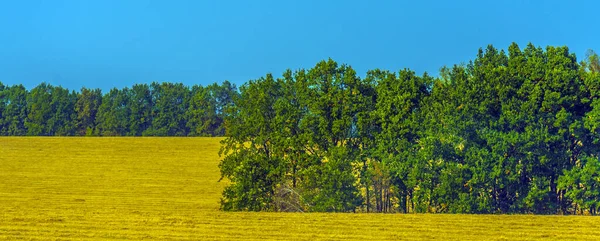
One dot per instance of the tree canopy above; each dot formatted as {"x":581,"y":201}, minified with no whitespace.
{"x":159,"y":109}
{"x":510,"y":132}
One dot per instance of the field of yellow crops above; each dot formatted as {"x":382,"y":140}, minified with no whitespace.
{"x":168,"y":189}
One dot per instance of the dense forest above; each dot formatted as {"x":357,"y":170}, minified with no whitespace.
{"x":158,"y":109}
{"x":513,"y":131}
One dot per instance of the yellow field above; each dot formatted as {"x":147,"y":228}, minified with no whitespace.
{"x":167,"y":189}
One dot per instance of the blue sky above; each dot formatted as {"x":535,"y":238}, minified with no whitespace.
{"x":117,"y":43}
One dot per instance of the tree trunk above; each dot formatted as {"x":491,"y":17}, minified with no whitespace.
{"x":377,"y":197}
{"x":368,"y":199}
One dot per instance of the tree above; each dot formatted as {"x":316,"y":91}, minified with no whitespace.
{"x":513,"y":131}
{"x":206,"y":111}
{"x":39,"y":110}
{"x":170,"y":105}
{"x":593,"y":61}
{"x":249,"y":161}
{"x":63,"y":118}
{"x":113,"y":114}
{"x":86,"y":107}
{"x":398,"y":103}
{"x":141,"y":105}
{"x":15,"y":113}
{"x":300,"y":135}
{"x":582,"y":185}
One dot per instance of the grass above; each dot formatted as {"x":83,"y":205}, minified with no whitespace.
{"x":168,"y":189}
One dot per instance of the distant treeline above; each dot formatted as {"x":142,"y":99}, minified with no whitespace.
{"x":158,"y":109}
{"x":509,"y":132}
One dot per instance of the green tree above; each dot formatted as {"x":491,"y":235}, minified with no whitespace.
{"x":582,"y":185}
{"x":398,"y":102}
{"x":63,"y":118}
{"x":50,"y":111}
{"x":206,"y":111}
{"x":39,"y":110}
{"x":113,"y":114}
{"x":140,"y":104}
{"x":593,"y":61}
{"x":249,"y":162}
{"x":15,"y":112}
{"x":168,"y":113}
{"x":86,"y":107}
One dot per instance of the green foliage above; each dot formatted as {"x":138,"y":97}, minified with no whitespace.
{"x":140,"y":105}
{"x":206,"y":111}
{"x":39,"y":110}
{"x":113,"y":114}
{"x":168,"y":111}
{"x":513,"y":131}
{"x":164,"y":109}
{"x":250,"y":161}
{"x":50,"y":111}
{"x":86,"y":108}
{"x":582,"y":185}
{"x":509,"y":132}
{"x":593,"y":61}
{"x":330,"y":187}
{"x":15,"y":111}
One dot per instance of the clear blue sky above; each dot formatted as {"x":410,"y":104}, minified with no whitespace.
{"x":116,"y":43}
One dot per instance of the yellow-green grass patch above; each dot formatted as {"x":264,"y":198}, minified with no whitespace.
{"x":167,"y":189}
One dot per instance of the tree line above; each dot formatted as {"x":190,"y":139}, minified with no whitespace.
{"x":158,"y":109}
{"x":513,"y":131}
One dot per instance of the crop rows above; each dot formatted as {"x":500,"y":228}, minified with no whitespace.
{"x":168,"y":189}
